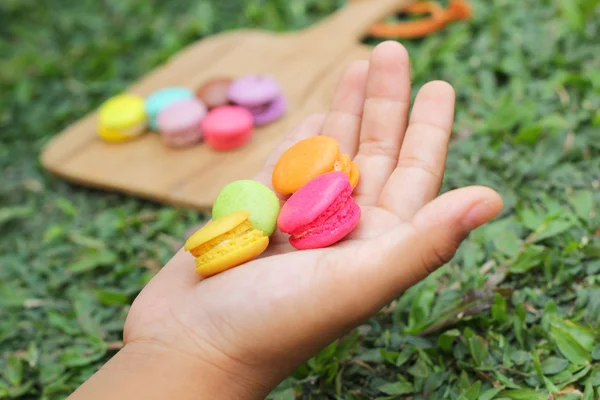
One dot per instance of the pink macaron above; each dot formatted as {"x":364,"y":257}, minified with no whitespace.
{"x":320,"y":213}
{"x":227,"y":127}
{"x":180,"y":123}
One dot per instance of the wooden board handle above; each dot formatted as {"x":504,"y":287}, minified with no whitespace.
{"x":351,"y":22}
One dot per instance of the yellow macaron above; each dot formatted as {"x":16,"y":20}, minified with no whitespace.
{"x":122,"y":118}
{"x":226,"y":243}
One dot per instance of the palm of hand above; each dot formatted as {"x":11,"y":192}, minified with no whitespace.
{"x":278,"y":310}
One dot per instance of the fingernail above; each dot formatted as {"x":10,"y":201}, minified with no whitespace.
{"x":478,"y":215}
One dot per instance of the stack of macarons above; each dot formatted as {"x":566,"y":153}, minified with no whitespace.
{"x":316,"y":180}
{"x":222,"y":112}
{"x":320,"y":179}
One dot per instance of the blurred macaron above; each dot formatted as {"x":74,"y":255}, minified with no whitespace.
{"x":180,"y":123}
{"x":122,"y":118}
{"x":261,"y":95}
{"x":215,"y":93}
{"x":161,"y":99}
{"x":227,"y":127}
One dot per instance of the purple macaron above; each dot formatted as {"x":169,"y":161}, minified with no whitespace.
{"x":261,"y":95}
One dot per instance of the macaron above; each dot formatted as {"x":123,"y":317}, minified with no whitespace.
{"x":179,"y":123}
{"x":261,"y":95}
{"x":251,"y":196}
{"x":227,"y":127}
{"x":226,"y":243}
{"x":122,"y":118}
{"x":162,"y":98}
{"x":308,"y":159}
{"x":320,"y":213}
{"x":215,"y":93}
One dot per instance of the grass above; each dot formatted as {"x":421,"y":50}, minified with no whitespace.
{"x":515,"y":315}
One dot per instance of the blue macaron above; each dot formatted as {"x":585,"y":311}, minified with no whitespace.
{"x":162,"y":98}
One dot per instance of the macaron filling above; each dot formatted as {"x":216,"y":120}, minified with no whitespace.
{"x":341,"y":210}
{"x":344,"y":164}
{"x":230,"y":245}
{"x":206,"y":247}
{"x":227,"y":243}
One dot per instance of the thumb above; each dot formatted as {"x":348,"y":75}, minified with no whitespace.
{"x":443,"y":224}
{"x":407,"y":256}
{"x":391,"y":263}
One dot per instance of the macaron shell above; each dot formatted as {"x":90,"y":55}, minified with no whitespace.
{"x":230,"y":143}
{"x":238,"y":256}
{"x":333,"y":229}
{"x":321,"y":213}
{"x":272,"y":112}
{"x":227,"y":127}
{"x":254,"y":90}
{"x":216,"y":228}
{"x":311,"y":201}
{"x":252,"y":196}
{"x":182,"y":116}
{"x":122,"y":111}
{"x":303,"y":162}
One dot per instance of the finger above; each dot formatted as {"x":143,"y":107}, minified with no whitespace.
{"x":384,"y":119}
{"x":311,"y":126}
{"x":427,"y":243}
{"x":344,"y":119}
{"x":418,"y":175}
{"x":441,"y":226}
{"x":446,"y":221}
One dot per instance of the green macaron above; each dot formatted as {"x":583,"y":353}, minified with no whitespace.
{"x":252,"y":196}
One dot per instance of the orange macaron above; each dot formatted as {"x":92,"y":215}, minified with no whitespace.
{"x":309,"y":159}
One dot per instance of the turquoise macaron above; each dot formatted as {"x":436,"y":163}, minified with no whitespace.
{"x":163,"y":98}
{"x":252,"y":196}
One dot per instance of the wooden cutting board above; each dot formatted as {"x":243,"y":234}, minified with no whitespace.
{"x":308,"y":65}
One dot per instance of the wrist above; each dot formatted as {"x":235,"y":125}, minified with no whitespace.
{"x":150,"y":370}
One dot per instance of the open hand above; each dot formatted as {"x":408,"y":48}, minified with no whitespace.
{"x":259,"y":321}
